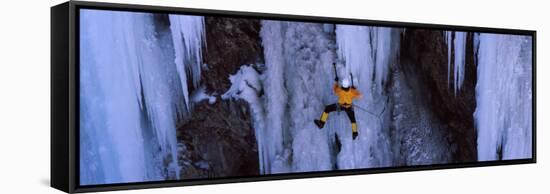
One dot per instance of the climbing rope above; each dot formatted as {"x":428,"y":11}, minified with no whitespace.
{"x":375,"y":115}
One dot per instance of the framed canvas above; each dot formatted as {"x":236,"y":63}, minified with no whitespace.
{"x":148,"y":96}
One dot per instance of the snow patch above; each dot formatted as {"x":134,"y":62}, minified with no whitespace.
{"x":200,"y":95}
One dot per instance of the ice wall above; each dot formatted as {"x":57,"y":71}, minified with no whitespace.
{"x":367,"y":53}
{"x":275,"y":92}
{"x":130,"y":91}
{"x":308,"y":56}
{"x":355,"y":47}
{"x":503,"y":116}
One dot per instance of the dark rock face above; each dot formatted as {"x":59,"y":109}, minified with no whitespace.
{"x":218,"y":139}
{"x":230,"y":43}
{"x":423,"y":56}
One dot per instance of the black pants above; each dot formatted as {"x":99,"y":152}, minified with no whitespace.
{"x":349,"y":111}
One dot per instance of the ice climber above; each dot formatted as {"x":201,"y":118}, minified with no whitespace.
{"x":345,"y":92}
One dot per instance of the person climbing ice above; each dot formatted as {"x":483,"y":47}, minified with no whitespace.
{"x":346,"y":92}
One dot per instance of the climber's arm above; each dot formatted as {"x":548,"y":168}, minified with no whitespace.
{"x":336,"y":88}
{"x":356,"y":93}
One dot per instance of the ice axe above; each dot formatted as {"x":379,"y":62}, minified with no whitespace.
{"x":352,"y":85}
{"x":335,"y":72}
{"x":336,"y":80}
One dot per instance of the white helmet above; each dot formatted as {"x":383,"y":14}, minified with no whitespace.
{"x":346,"y":83}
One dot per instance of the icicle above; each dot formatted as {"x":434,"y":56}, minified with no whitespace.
{"x":188,"y":38}
{"x":476,"y":47}
{"x":460,"y":59}
{"x":448,"y":39}
{"x":459,"y":51}
{"x":383,"y":54}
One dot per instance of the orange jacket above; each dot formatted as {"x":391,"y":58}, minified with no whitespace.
{"x":345,"y":98}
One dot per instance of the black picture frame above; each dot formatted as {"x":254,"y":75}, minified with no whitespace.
{"x":65,"y":90}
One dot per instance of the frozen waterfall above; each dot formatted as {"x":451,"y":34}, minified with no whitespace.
{"x":298,"y":80}
{"x":367,"y":53}
{"x":132,"y":96}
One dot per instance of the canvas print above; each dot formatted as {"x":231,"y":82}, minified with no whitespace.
{"x":185,"y":97}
